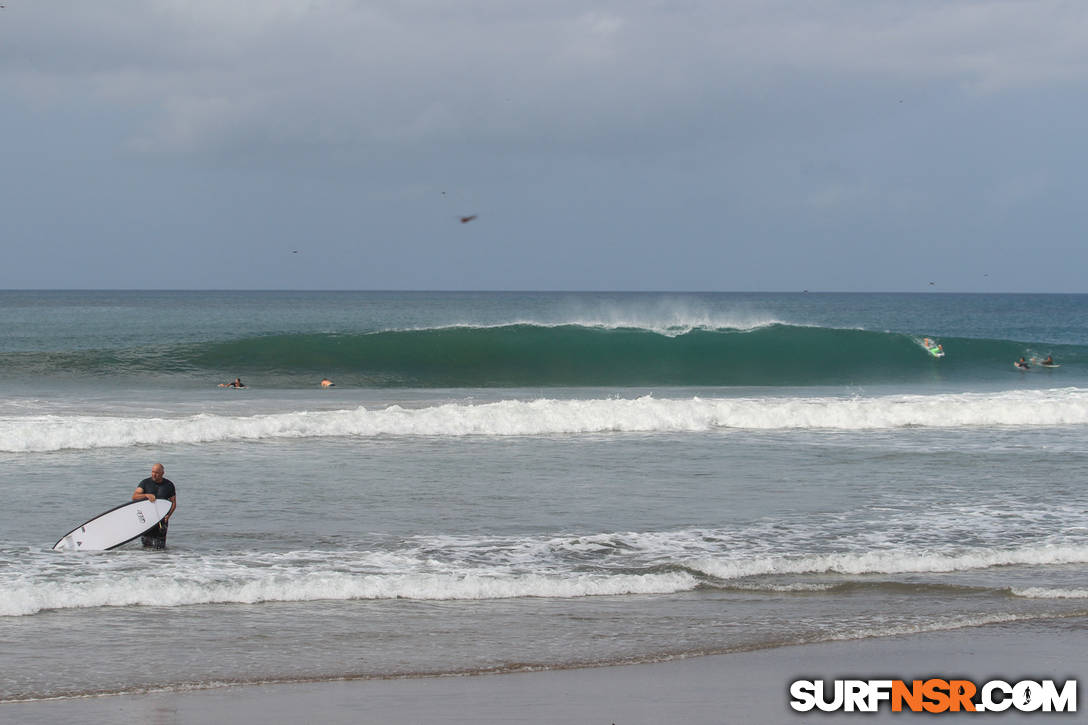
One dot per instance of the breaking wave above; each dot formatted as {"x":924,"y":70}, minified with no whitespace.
{"x":765,"y":352}
{"x":545,"y":416}
{"x":646,"y":564}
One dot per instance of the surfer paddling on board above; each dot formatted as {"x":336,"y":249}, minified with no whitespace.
{"x":236,"y":384}
{"x":156,"y":486}
{"x":1023,"y":364}
{"x":326,"y":383}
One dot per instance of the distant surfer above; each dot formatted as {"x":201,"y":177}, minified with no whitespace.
{"x":326,"y":383}
{"x":1049,"y":362}
{"x":1023,"y":364}
{"x":156,"y":486}
{"x":237,"y":383}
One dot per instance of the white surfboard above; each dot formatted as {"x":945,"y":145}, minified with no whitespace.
{"x":115,"y":527}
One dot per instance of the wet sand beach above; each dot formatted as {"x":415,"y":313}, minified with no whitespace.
{"x":738,"y":687}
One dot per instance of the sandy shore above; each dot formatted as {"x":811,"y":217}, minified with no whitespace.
{"x":741,"y":687}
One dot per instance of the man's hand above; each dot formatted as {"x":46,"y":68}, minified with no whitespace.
{"x":150,"y":497}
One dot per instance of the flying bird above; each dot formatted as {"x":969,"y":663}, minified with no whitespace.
{"x":467,"y":219}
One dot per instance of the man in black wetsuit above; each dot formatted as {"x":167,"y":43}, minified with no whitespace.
{"x":152,"y":488}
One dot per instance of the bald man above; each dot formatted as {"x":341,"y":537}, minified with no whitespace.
{"x":152,"y":488}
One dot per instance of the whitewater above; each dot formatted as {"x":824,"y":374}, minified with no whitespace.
{"x":308,"y":576}
{"x":646,"y":414}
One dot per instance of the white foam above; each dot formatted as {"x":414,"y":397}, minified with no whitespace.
{"x":889,"y":562}
{"x":1045,"y":593}
{"x":647,"y":414}
{"x":468,"y":568}
{"x":786,"y":588}
{"x":183,"y":587}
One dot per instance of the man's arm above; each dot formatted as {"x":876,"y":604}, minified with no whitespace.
{"x":139,"y":494}
{"x":173,"y":505}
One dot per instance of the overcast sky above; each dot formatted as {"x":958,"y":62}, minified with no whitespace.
{"x":849,"y":145}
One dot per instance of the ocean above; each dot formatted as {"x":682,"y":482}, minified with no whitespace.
{"x":510,"y":481}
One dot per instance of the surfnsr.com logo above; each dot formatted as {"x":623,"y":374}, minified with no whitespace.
{"x":934,"y":695}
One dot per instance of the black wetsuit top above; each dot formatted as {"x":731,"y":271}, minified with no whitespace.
{"x":155,"y":537}
{"x":162,"y":489}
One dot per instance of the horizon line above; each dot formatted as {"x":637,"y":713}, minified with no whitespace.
{"x":525,"y":291}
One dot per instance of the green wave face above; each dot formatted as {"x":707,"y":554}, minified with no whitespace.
{"x":529,"y":355}
{"x":526,"y":355}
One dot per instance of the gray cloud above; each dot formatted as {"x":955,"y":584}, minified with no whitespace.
{"x":737,"y":145}
{"x":348,"y":74}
